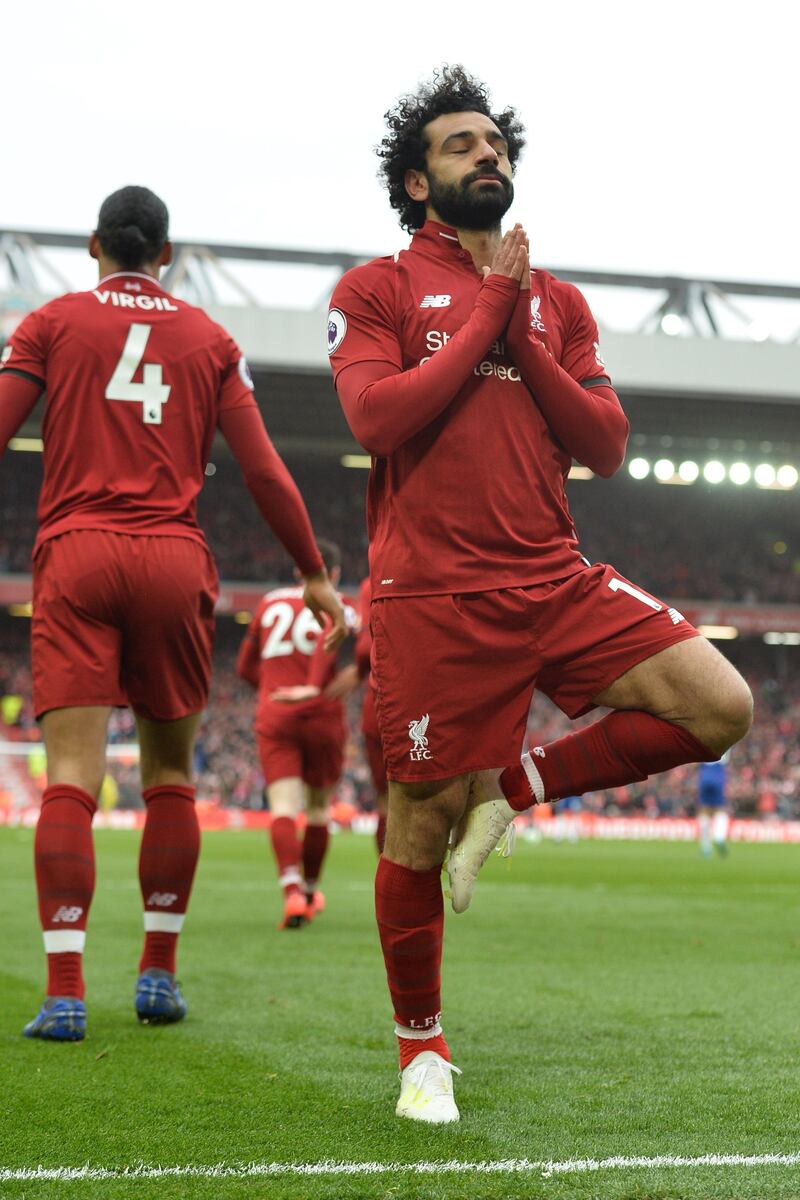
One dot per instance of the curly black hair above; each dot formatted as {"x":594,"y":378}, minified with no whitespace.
{"x":403,"y":148}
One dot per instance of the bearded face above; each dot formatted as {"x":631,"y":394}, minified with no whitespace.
{"x":479,"y":201}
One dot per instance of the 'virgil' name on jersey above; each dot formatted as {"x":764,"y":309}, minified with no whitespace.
{"x":125,"y":300}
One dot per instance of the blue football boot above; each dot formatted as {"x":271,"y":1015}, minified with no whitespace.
{"x":60,"y":1019}
{"x":158,"y":998}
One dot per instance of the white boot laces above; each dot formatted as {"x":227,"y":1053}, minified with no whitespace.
{"x":441,"y":1085}
{"x":505,"y":847}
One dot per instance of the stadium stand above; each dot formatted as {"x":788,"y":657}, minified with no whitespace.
{"x":715,"y":392}
{"x":679,"y":542}
{"x":764,"y":771}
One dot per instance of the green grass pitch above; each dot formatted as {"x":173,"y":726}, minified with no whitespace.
{"x":602,"y":999}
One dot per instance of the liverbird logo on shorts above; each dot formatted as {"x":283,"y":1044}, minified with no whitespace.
{"x":417,"y":731}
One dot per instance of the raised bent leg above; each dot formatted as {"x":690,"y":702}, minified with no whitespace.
{"x":684,"y":704}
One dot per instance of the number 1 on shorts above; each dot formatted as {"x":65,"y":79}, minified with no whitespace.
{"x":152,"y":392}
{"x":622,"y":585}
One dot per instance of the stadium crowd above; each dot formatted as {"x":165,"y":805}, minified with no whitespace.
{"x":676,"y":542}
{"x":763,"y":780}
{"x":673,"y":541}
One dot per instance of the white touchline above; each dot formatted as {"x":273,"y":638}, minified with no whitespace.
{"x":545,"y":1167}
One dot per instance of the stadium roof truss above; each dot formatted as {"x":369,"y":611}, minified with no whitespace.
{"x":660,"y":334}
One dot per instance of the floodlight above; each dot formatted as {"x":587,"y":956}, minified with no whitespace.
{"x":639,"y":468}
{"x":739,"y":472}
{"x":764,"y":474}
{"x":664,"y":469}
{"x":688,"y":471}
{"x":671,"y":324}
{"x":713,"y":472}
{"x":787,"y":476}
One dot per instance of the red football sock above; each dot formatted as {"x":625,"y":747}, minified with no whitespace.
{"x":315,"y":847}
{"x":167,"y":861}
{"x":410,"y":912}
{"x":624,"y":747}
{"x":286,"y":848}
{"x":64,"y":863}
{"x":380,"y":832}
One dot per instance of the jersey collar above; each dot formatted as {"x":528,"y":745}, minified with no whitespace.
{"x":133,"y":275}
{"x":441,"y":241}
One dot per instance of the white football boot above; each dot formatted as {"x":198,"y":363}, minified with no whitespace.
{"x":487,"y":821}
{"x":426,"y":1090}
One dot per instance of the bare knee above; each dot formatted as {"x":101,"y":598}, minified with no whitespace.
{"x":75,"y":743}
{"x":725,"y":715}
{"x":317,"y":805}
{"x":286,"y":797}
{"x":734,"y":712}
{"x":420,"y":817}
{"x":165,"y":751}
{"x":77,"y":772}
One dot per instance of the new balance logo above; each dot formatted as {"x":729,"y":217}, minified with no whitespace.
{"x":161,"y":899}
{"x":675,"y":616}
{"x":69,"y":914}
{"x":539,"y":752}
{"x":435,"y":301}
{"x":417,"y":731}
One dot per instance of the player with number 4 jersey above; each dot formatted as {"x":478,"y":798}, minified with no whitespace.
{"x":136,"y":383}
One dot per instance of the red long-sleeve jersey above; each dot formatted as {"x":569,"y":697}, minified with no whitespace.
{"x":282,"y":646}
{"x":472,"y":398}
{"x":136,"y":383}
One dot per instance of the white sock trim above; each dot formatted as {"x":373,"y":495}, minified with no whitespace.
{"x":292,"y":875}
{"x":163,"y":922}
{"x":418,"y":1035}
{"x":64,"y":941}
{"x":534,"y":778}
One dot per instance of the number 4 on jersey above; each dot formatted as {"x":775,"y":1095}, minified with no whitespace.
{"x":152,"y":392}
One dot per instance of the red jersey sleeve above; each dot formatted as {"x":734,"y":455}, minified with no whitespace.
{"x":236,"y":385}
{"x":26,"y":352}
{"x":362,"y":323}
{"x":322,"y":666}
{"x":580,"y":356}
{"x":324,"y":663}
{"x":248,"y":661}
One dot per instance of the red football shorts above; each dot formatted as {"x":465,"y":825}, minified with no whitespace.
{"x":304,"y":741}
{"x":121,"y":619}
{"x":372,"y":741}
{"x":455,"y":674}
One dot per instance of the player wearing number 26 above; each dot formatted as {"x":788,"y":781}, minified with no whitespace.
{"x":136,"y":383}
{"x":300,"y":732}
